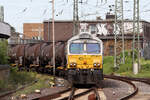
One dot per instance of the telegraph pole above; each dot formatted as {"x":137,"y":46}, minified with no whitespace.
{"x":119,"y":28}
{"x":53,"y":31}
{"x":136,"y":32}
{"x":48,"y":31}
{"x":75,"y":18}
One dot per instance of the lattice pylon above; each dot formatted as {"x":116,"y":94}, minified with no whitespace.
{"x":119,"y":34}
{"x":136,"y":32}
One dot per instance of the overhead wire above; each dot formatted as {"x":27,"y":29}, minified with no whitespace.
{"x":90,"y":6}
{"x":146,"y":5}
{"x":64,"y":3}
{"x":60,"y":12}
{"x":145,"y":11}
{"x":20,"y":15}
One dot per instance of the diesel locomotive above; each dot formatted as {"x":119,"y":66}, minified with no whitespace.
{"x":85,"y":59}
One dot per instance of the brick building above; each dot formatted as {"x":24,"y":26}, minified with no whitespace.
{"x":33,"y":31}
{"x":104,"y":29}
{"x":63,"y":30}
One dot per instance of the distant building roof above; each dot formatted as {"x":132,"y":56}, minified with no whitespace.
{"x":5,"y":30}
{"x":102,"y":20}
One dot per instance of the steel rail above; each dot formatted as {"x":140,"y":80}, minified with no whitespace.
{"x":52,"y":96}
{"x":97,"y":94}
{"x":127,"y":81}
{"x":144,"y":80}
{"x":18,"y":89}
{"x":77,"y":95}
{"x":72,"y":94}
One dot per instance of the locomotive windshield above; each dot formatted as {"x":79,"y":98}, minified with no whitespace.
{"x":76,"y":48}
{"x":79,"y":48}
{"x":93,"y":48}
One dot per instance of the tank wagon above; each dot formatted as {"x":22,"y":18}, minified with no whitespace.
{"x":16,"y":52}
{"x":37,"y":57}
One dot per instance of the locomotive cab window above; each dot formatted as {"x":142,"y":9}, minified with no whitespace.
{"x":89,"y":48}
{"x":93,"y":48}
{"x":76,"y":48}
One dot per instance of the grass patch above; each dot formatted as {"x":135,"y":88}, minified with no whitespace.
{"x":141,"y":74}
{"x":108,"y":64}
{"x":126,"y":69}
{"x":43,"y":82}
{"x":16,"y":79}
{"x":144,"y":72}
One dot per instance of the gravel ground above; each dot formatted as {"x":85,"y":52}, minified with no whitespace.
{"x":114,"y":89}
{"x":144,"y":91}
{"x":44,"y":92}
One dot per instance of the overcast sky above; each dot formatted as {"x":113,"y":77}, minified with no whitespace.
{"x":18,"y":12}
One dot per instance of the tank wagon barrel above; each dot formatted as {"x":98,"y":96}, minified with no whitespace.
{"x":37,"y":56}
{"x":16,"y":53}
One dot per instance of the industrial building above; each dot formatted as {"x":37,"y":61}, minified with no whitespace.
{"x":33,"y":31}
{"x":104,"y":29}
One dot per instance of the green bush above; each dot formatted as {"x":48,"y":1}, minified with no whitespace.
{"x":127,"y":68}
{"x":16,"y":80}
{"x":21,"y":77}
{"x":109,"y":64}
{"x":145,"y":64}
{"x":129,"y":54}
{"x":3,"y":52}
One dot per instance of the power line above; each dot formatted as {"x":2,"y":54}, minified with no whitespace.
{"x":147,"y":4}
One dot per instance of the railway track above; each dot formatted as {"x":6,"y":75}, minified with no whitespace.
{"x":40,"y":96}
{"x":77,"y":94}
{"x":140,"y":95}
{"x":127,"y":81}
{"x":73,"y":93}
{"x":68,"y":94}
{"x":144,"y":80}
{"x":18,"y":89}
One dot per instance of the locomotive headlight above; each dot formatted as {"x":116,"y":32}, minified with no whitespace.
{"x":73,"y":64}
{"x":98,"y":64}
{"x":95,"y":64}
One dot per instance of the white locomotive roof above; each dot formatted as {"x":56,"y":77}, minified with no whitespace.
{"x":84,"y":35}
